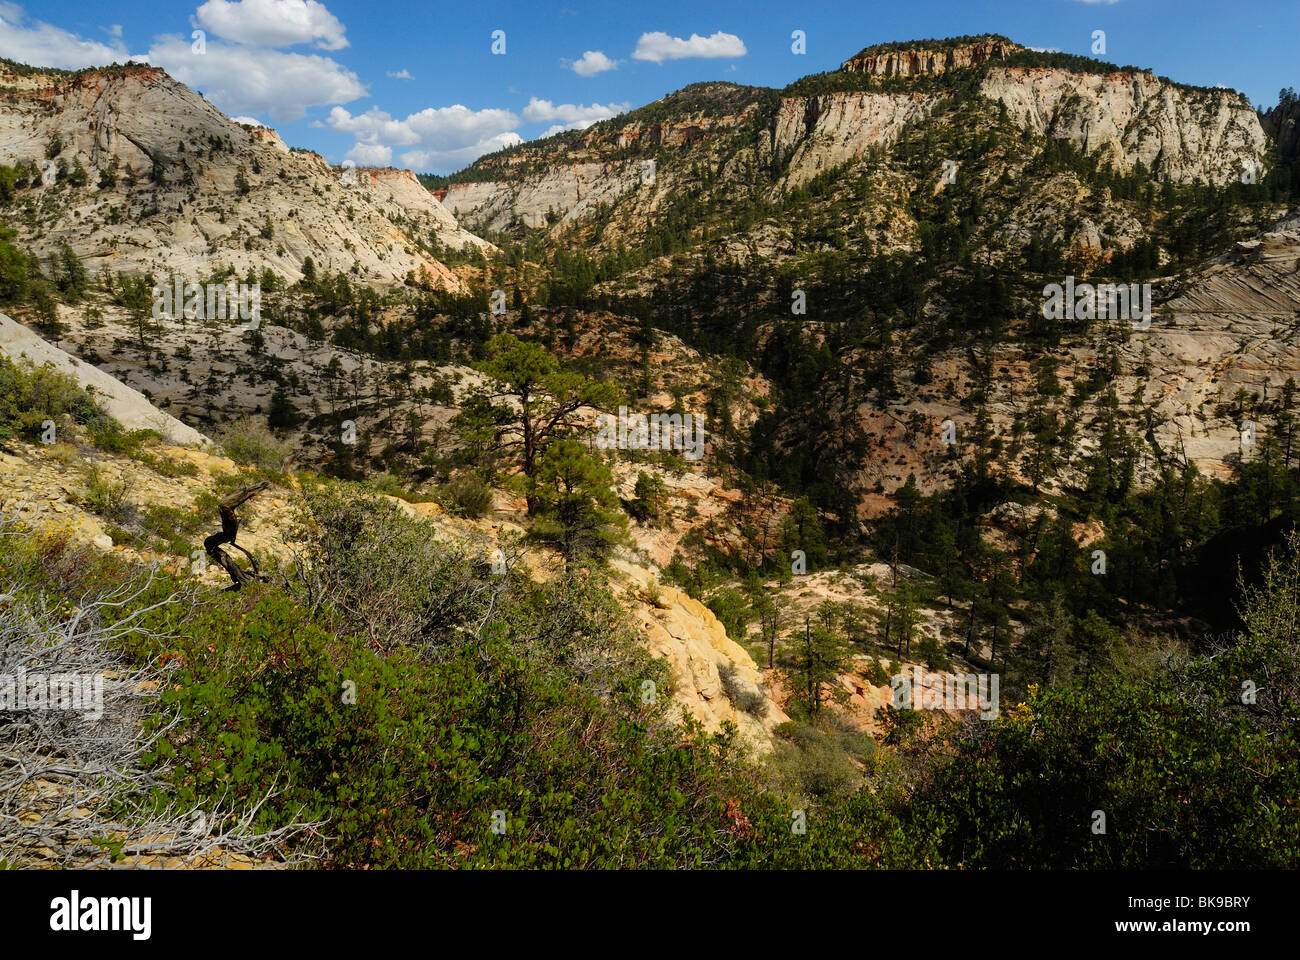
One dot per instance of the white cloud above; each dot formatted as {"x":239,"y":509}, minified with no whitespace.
{"x":659,"y":46}
{"x":593,"y":62}
{"x":42,"y":45}
{"x":241,"y":79}
{"x":273,"y":23}
{"x":402,"y":74}
{"x":1045,"y":49}
{"x":438,"y":161}
{"x":441,"y":138}
{"x":572,"y":116}
{"x":370,"y":155}
{"x":249,"y":121}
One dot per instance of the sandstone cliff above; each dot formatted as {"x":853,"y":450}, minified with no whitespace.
{"x":926,"y":59}
{"x":817,"y":134}
{"x":1124,"y":117}
{"x":1175,"y":133}
{"x":560,"y":194}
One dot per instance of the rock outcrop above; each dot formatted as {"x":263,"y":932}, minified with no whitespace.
{"x":708,"y":668}
{"x":559,"y":195}
{"x":925,"y":60}
{"x":825,"y":132}
{"x":1125,"y":117}
{"x":1175,"y":133}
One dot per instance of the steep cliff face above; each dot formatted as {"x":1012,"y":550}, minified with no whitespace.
{"x":556,"y":186}
{"x":175,"y":186}
{"x":1130,"y":118}
{"x":923,"y":60}
{"x":397,"y":194}
{"x":1176,"y":133}
{"x":825,"y":132}
{"x":560,"y":194}
{"x":1283,"y":122}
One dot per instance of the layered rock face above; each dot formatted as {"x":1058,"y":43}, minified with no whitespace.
{"x":825,"y":132}
{"x":561,"y":194}
{"x":1177,"y":134}
{"x":919,"y":60}
{"x":1235,"y":327}
{"x":194,"y":190}
{"x":1129,"y":118}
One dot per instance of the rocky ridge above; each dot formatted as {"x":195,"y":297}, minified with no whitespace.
{"x":175,"y":186}
{"x":1127,"y":117}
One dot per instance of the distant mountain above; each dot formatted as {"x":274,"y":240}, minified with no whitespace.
{"x":1125,"y":118}
{"x":137,"y":172}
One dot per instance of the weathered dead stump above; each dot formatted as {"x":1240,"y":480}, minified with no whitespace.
{"x":229,"y":528}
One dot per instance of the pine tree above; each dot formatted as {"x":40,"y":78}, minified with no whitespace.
{"x":575,"y":503}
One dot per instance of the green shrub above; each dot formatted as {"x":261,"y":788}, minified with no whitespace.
{"x":166,"y":466}
{"x":179,"y":530}
{"x":808,"y":761}
{"x":933,"y":653}
{"x":732,"y":610}
{"x":246,"y":441}
{"x":30,"y":395}
{"x":744,"y":699}
{"x":877,"y":674}
{"x":111,"y":437}
{"x":109,"y":499}
{"x":468,"y":495}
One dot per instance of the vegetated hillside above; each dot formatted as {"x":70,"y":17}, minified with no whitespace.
{"x":907,"y":463}
{"x":517,"y":724}
{"x":137,"y":173}
{"x":921,"y":215}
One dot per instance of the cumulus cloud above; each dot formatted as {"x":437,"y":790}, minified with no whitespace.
{"x":591,"y":63}
{"x":371,"y":155}
{"x":441,"y":138}
{"x":572,"y":116}
{"x":659,"y":46}
{"x":445,"y":161}
{"x":241,"y":79}
{"x":273,"y":23}
{"x":402,"y":74}
{"x":42,"y":45}
{"x":249,"y":121}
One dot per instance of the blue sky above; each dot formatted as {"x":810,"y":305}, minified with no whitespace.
{"x":416,"y":84}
